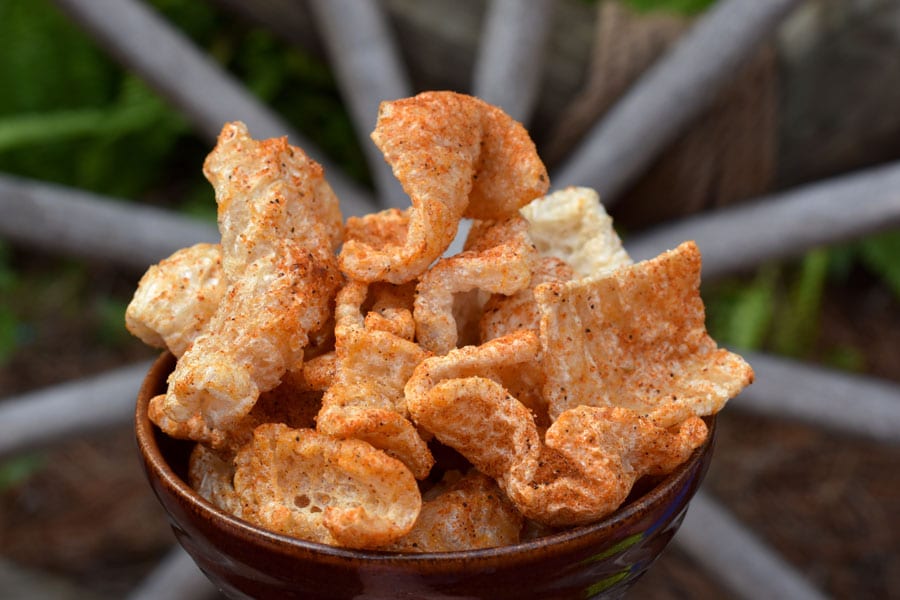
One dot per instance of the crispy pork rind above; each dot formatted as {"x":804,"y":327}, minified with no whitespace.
{"x":468,"y":514}
{"x":279,"y":225}
{"x":366,"y":400}
{"x":211,"y":474}
{"x":636,"y":339}
{"x":571,"y":224}
{"x":591,"y":459}
{"x":309,"y":485}
{"x":269,"y":190}
{"x":455,"y":156}
{"x":452,"y":397}
{"x":499,"y":260}
{"x":176,"y":298}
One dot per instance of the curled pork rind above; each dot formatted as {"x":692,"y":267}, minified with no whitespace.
{"x":506,"y":314}
{"x":591,"y":459}
{"x":571,"y":224}
{"x":455,"y":156}
{"x":211,"y":474}
{"x":309,"y":485}
{"x":636,"y":339}
{"x":470,"y":513}
{"x":499,"y":260}
{"x":452,"y":397}
{"x":176,"y":298}
{"x":366,"y":400}
{"x":279,"y":225}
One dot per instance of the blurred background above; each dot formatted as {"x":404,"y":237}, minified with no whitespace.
{"x":816,"y":99}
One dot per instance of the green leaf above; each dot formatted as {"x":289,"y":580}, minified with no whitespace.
{"x":798,"y":322}
{"x":16,"y":470}
{"x":881,"y":255}
{"x":683,"y":7}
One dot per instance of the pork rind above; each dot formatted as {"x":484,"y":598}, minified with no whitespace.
{"x":636,"y":339}
{"x":453,"y":397}
{"x":571,"y":224}
{"x":469,"y":513}
{"x":176,"y":298}
{"x":269,"y":190}
{"x":309,"y":485}
{"x":366,"y":400}
{"x":279,"y":225}
{"x":455,"y":156}
{"x":591,"y":459}
{"x":499,"y":260}
{"x":212,"y":475}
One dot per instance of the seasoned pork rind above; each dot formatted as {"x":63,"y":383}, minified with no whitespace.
{"x":455,"y":156}
{"x":636,"y":339}
{"x":506,"y":314}
{"x":571,"y":224}
{"x":467,"y":514}
{"x":177,"y":297}
{"x":499,"y":260}
{"x":366,"y":400}
{"x":309,"y":485}
{"x":591,"y":459}
{"x":453,"y":397}
{"x":279,"y":224}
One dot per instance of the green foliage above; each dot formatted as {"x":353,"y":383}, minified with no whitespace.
{"x":682,"y":7}
{"x":16,"y":470}
{"x":881,"y":255}
{"x":9,"y":322}
{"x":740,"y":314}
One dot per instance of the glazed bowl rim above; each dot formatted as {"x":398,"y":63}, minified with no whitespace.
{"x":156,"y":466}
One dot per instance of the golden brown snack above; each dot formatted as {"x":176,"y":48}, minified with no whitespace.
{"x":572,"y":225}
{"x":498,"y":260}
{"x":467,"y":514}
{"x":366,"y":400}
{"x":455,"y":156}
{"x":636,"y":339}
{"x":309,"y":485}
{"x":279,"y":223}
{"x":478,"y":418}
{"x":591,"y":459}
{"x":176,"y":298}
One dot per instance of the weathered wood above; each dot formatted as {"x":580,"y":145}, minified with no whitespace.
{"x":841,"y":402}
{"x":783,"y":225}
{"x":666,"y":100}
{"x":176,"y":577}
{"x":193,"y":82}
{"x":510,"y":62}
{"x":50,"y":415}
{"x":368,"y":70}
{"x":736,"y":557}
{"x":72,"y":222}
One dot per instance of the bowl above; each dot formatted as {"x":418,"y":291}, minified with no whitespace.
{"x":244,"y":561}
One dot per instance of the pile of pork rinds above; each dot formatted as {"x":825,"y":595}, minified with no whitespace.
{"x":322,"y":364}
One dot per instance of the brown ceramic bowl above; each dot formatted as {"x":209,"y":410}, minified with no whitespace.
{"x":244,"y":561}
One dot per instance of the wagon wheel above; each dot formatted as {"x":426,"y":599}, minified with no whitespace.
{"x":615,"y":152}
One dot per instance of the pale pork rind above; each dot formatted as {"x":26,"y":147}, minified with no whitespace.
{"x":349,"y":385}
{"x":571,"y":224}
{"x":176,"y":298}
{"x":637,"y":339}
